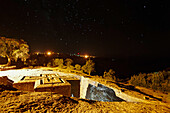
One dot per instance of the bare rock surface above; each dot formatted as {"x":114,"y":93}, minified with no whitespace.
{"x":35,"y":102}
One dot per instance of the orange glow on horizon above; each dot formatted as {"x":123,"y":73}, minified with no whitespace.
{"x":49,"y":53}
{"x":86,"y":56}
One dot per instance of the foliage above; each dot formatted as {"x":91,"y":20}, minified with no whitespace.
{"x":157,"y":81}
{"x":68,"y":62}
{"x":49,"y":64}
{"x":55,"y":62}
{"x":110,"y":75}
{"x":13,"y":49}
{"x":61,"y":63}
{"x":33,"y":62}
{"x":58,"y":62}
{"x":70,"y":68}
{"x":89,"y":66}
{"x":41,"y":60}
{"x":78,"y":67}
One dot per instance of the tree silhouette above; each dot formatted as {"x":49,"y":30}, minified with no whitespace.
{"x":89,"y":66}
{"x":68,"y":62}
{"x":58,"y":62}
{"x":13,"y":49}
{"x":78,"y":67}
{"x":110,"y":74}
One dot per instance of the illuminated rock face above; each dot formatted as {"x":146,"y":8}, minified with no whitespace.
{"x":101,"y":93}
{"x":25,"y":86}
{"x":93,"y":90}
{"x":26,"y":83}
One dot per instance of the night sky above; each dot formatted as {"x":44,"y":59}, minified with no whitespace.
{"x":114,"y":28}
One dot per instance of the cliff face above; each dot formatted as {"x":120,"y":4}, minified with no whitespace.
{"x":93,"y":90}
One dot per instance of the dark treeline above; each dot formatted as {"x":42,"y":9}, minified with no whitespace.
{"x":124,"y":68}
{"x":130,"y":66}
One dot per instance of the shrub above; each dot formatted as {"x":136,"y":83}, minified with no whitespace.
{"x":157,"y":81}
{"x":78,"y":67}
{"x":110,"y":75}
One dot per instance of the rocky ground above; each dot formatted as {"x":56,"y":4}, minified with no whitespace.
{"x":34,"y":102}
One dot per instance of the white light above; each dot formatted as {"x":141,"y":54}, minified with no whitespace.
{"x":49,"y":53}
{"x":86,"y":56}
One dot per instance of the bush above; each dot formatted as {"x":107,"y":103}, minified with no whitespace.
{"x":157,"y":81}
{"x":110,"y":75}
{"x":78,"y":67}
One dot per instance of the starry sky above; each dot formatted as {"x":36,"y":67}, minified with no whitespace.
{"x":114,"y":28}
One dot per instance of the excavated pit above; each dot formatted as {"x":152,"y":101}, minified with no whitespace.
{"x":81,"y":87}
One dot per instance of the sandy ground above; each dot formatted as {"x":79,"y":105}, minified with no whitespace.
{"x":34,"y":102}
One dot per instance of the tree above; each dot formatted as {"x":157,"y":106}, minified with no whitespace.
{"x":33,"y":62}
{"x":49,"y":64}
{"x":60,"y":63}
{"x":56,"y":62}
{"x":68,"y":62}
{"x":110,"y":74}
{"x":41,"y":60}
{"x":13,"y":49}
{"x":89,"y":66}
{"x":78,"y":67}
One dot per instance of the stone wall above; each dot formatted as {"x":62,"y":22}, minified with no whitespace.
{"x":25,"y":86}
{"x":61,"y":89}
{"x":75,"y":88}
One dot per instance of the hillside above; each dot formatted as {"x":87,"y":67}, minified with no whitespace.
{"x":144,"y":100}
{"x":17,"y":101}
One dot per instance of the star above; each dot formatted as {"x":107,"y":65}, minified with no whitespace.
{"x":28,"y":14}
{"x":77,"y":41}
{"x":141,"y":41}
{"x":141,"y":35}
{"x":108,"y":9}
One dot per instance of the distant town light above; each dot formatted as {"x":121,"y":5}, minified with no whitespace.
{"x":86,"y":56}
{"x":37,"y":53}
{"x":49,"y":53}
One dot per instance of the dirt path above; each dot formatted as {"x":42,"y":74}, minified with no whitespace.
{"x":17,"y":101}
